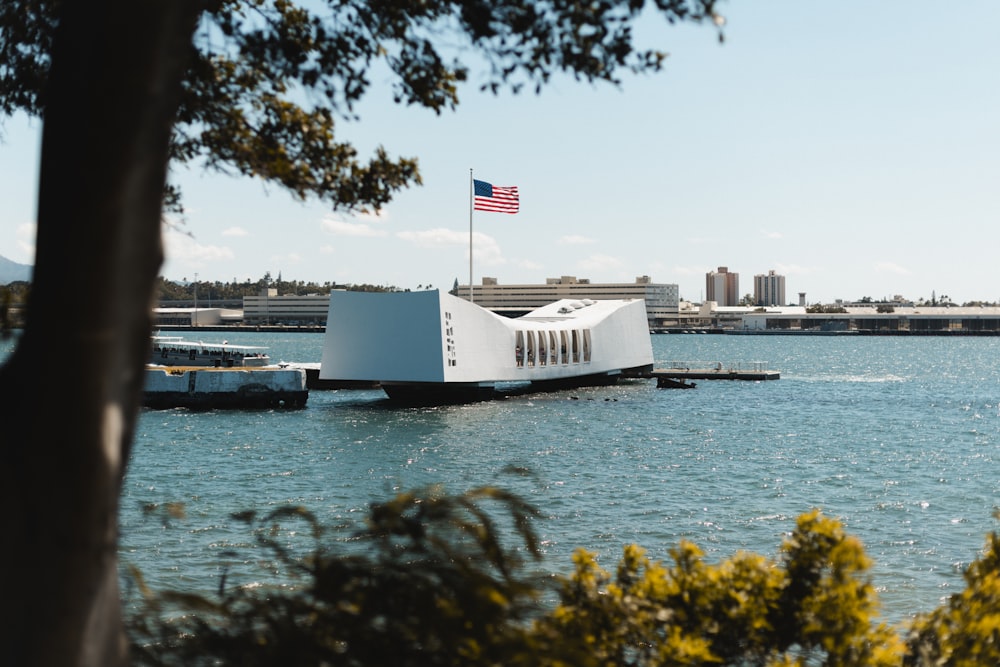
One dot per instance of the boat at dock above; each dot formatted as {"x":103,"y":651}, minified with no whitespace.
{"x":666,"y":382}
{"x":431,"y":347}
{"x":207,"y":376}
{"x":175,"y":351}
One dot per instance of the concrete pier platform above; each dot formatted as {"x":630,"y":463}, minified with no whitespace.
{"x":754,"y":372}
{"x":206,"y":388}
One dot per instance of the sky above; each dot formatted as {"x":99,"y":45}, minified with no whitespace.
{"x":852,"y":147}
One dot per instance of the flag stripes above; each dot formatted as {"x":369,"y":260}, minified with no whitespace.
{"x":494,"y":198}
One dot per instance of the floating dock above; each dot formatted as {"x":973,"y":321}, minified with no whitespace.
{"x":679,"y":373}
{"x":214,"y":388}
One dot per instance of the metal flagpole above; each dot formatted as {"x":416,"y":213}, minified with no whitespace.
{"x":472,"y":192}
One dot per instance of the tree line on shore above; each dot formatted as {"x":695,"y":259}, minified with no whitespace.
{"x":14,"y":296}
{"x":185,"y":290}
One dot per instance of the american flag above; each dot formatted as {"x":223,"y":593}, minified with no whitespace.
{"x":494,"y":198}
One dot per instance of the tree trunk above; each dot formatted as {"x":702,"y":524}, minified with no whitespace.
{"x":70,"y":394}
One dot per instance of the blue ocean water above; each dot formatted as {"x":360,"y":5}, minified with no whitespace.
{"x":897,"y":437}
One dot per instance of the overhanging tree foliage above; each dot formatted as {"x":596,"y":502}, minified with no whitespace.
{"x":266,"y":80}
{"x":250,"y":87}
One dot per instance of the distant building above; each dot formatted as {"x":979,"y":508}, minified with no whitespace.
{"x":194,"y":317}
{"x":293,"y":309}
{"x":662,"y":300}
{"x":872,"y":319}
{"x":769,"y":289}
{"x":722,"y":287}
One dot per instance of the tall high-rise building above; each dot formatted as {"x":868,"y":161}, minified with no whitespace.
{"x":722,"y":287}
{"x":769,"y":289}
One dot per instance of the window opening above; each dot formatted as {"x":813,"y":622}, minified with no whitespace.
{"x":562,"y":347}
{"x":576,"y":346}
{"x":586,"y":346}
{"x":530,"y":335}
{"x":543,"y":351}
{"x":519,"y":349}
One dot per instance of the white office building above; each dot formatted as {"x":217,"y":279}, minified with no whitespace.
{"x":269,"y":308}
{"x":662,"y":300}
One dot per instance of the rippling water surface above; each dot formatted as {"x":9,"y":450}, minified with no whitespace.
{"x":897,"y":437}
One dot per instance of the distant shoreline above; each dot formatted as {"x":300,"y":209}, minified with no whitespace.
{"x":952,"y":333}
{"x":252,"y":328}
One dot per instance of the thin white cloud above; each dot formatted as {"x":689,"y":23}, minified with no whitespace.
{"x":890,"y":267}
{"x":485,"y":247}
{"x":327,"y":249}
{"x":184,"y":250}
{"x":487,"y":251}
{"x":529,"y":264}
{"x":576,"y":239}
{"x":235,"y":231}
{"x":793,"y":270}
{"x":342,"y":228}
{"x":600,"y":262}
{"x":288,"y":259}
{"x":439,"y":237}
{"x":771,"y":235}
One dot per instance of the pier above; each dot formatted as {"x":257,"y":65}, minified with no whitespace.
{"x":209,"y":388}
{"x":677,"y":373}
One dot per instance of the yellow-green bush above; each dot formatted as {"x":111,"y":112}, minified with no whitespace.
{"x":965,"y":631}
{"x":813,"y":604}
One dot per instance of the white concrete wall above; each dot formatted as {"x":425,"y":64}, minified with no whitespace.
{"x":383,"y":336}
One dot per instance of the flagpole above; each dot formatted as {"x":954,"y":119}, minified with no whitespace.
{"x":472,"y":191}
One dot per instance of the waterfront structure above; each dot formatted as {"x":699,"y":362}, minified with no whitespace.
{"x":875,"y":319}
{"x":213,"y":388}
{"x":665,"y":312}
{"x":430,"y":347}
{"x":722,"y":287}
{"x":194,"y":317}
{"x":662,"y":300}
{"x":296,"y":309}
{"x":769,"y":289}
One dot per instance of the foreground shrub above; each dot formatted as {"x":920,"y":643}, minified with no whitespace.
{"x":965,"y":630}
{"x":437,"y":579}
{"x":812,"y":606}
{"x":426,"y":582}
